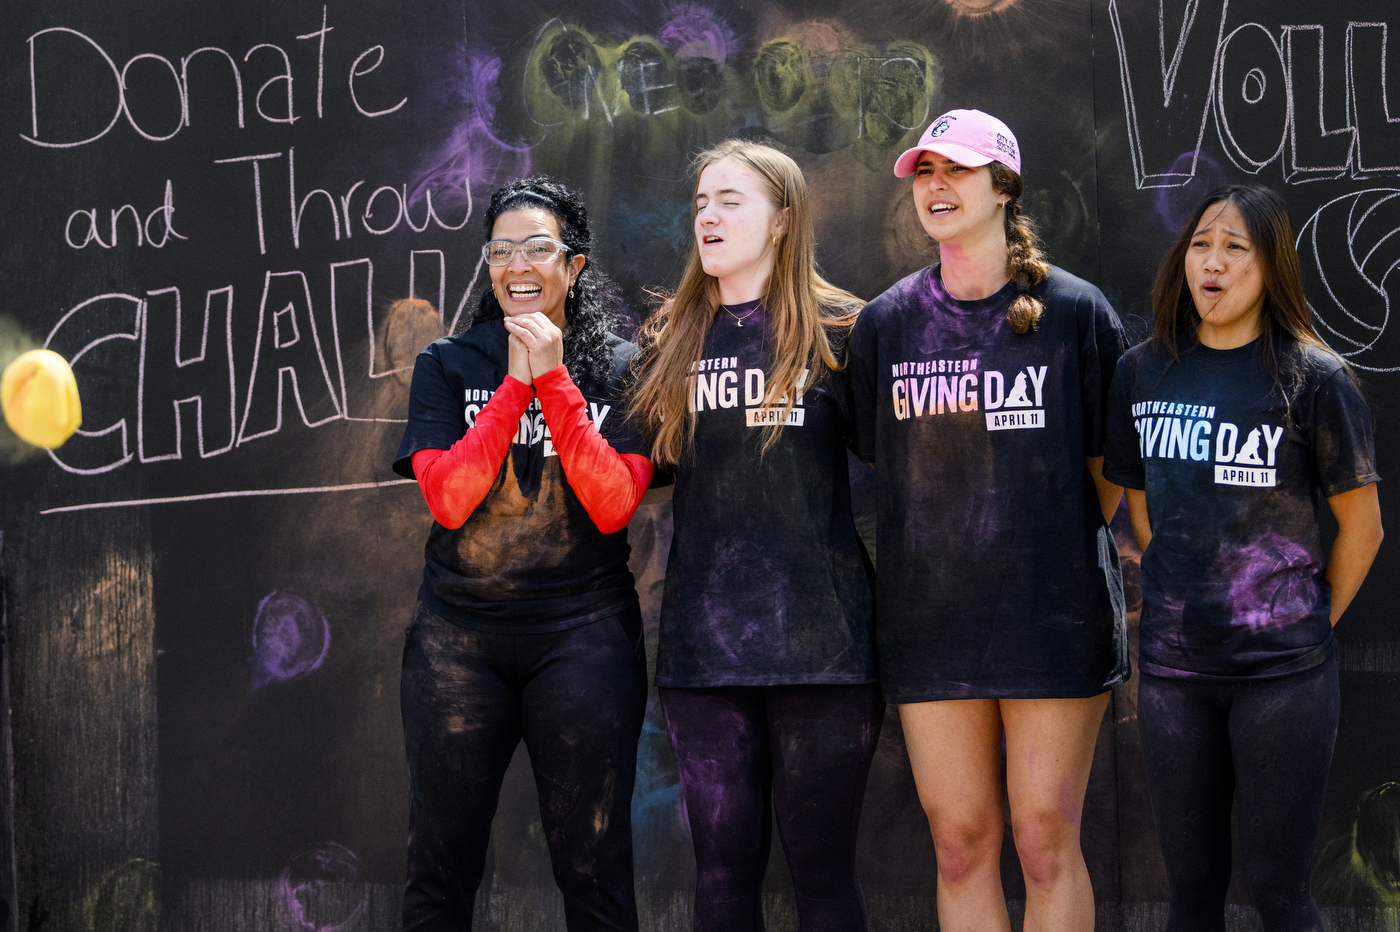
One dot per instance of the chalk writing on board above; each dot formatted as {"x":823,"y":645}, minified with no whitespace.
{"x":394,"y":340}
{"x":188,"y":353}
{"x":163,"y":216}
{"x":183,"y":350}
{"x":810,"y":84}
{"x":880,"y":92}
{"x":60,"y":48}
{"x":1350,"y":251}
{"x":280,"y":354}
{"x":165,"y":343}
{"x":1262,"y":85}
{"x":814,"y":88}
{"x":378,"y":212}
{"x":113,"y":317}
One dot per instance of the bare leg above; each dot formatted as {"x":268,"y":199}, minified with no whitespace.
{"x":1049,"y":750}
{"x":955,"y":750}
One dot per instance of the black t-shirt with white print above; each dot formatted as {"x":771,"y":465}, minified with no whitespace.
{"x":998,"y":577}
{"x":767,"y":583}
{"x":529,"y":559}
{"x":1236,"y":478}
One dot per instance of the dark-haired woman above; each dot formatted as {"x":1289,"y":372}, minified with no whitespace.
{"x":527,"y":623}
{"x":1229,"y":427}
{"x":765,"y":664}
{"x":979,"y":388}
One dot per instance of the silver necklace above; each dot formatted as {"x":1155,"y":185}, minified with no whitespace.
{"x":739,"y":321}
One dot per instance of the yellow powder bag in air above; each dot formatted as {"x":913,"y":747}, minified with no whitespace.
{"x":40,"y":398}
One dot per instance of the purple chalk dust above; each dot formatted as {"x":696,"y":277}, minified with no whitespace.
{"x":694,"y":31}
{"x":474,"y":158}
{"x":322,"y":888}
{"x":290,"y":638}
{"x":1174,"y":205}
{"x":1267,"y":585}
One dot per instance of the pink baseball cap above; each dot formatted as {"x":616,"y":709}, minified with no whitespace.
{"x":968,"y":137}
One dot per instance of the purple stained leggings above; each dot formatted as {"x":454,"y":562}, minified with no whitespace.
{"x":746,"y":751}
{"x":1262,"y":747}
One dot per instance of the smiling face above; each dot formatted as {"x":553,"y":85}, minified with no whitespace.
{"x":957,"y":204}
{"x":1225,"y":278}
{"x":735,"y":224}
{"x":523,"y":286}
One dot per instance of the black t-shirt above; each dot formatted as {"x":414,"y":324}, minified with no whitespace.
{"x":997,"y":575}
{"x":1235,"y":478}
{"x":529,"y":559}
{"x":767,"y":582}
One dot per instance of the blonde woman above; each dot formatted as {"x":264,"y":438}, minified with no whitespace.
{"x":765,"y":666}
{"x":980,"y":387}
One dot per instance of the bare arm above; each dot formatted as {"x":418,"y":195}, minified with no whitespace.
{"x":1359,"y":534}
{"x":1109,"y":494}
{"x":1137,"y":513}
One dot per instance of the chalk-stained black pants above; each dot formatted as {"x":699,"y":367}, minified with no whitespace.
{"x":577,"y":698}
{"x":804,"y":752}
{"x":1261,"y":747}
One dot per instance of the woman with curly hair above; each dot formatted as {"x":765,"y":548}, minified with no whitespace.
{"x":765,"y":665}
{"x":527,"y":623}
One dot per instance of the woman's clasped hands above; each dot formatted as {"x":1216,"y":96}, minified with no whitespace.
{"x":536,"y":346}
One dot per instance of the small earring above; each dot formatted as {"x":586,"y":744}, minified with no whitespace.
{"x":775,"y":242}
{"x":571,"y":289}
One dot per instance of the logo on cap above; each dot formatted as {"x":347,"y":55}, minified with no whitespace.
{"x":941,"y":127}
{"x":1006,"y":145}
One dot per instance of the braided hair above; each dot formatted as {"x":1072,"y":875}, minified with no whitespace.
{"x":591,"y":309}
{"x":1026,"y":265}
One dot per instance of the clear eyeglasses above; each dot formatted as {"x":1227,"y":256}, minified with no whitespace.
{"x":538,"y":249}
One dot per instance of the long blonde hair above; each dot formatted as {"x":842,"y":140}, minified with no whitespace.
{"x":802,"y":308}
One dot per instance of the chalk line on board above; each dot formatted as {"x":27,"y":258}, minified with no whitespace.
{"x":235,"y":493}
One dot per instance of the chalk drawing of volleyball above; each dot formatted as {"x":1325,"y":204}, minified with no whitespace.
{"x":1350,"y":255}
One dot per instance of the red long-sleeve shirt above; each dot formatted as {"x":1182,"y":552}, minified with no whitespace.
{"x":608,"y":484}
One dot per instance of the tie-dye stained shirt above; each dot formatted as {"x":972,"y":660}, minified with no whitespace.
{"x":1236,"y":479}
{"x":529,"y":559}
{"x":997,"y":577}
{"x":767,"y":582}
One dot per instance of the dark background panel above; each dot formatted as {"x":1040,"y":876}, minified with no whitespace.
{"x":1284,"y":95}
{"x":205,"y":690}
{"x":1315,"y":76}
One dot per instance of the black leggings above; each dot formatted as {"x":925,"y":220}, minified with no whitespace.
{"x":810,"y":747}
{"x":1266,"y":745}
{"x":577,"y":697}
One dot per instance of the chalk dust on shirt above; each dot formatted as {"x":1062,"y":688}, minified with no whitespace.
{"x":767,"y":582}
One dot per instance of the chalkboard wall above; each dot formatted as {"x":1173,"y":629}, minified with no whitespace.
{"x":214,"y":209}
